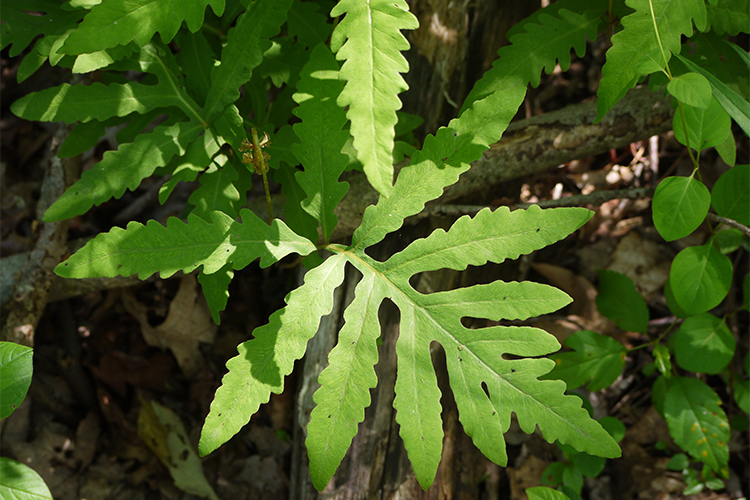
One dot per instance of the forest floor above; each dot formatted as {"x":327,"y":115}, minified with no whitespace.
{"x":97,"y":369}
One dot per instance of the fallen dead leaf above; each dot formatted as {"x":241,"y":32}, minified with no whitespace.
{"x":188,"y":323}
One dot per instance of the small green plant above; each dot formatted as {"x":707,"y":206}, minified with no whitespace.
{"x":250,"y":66}
{"x":702,"y":344}
{"x":17,"y":480}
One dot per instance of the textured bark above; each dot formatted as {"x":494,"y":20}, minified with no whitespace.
{"x":33,"y":279}
{"x":376,"y":465}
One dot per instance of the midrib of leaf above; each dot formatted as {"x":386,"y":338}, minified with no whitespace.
{"x":402,"y":295}
{"x":164,"y":72}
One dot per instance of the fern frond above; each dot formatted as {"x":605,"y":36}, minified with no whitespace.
{"x":217,"y":190}
{"x":474,"y":357}
{"x":123,"y":169}
{"x":243,"y":52}
{"x":345,"y":384}
{"x":118,"y":22}
{"x":369,"y":40}
{"x":263,"y":362}
{"x":180,"y":246}
{"x":540,"y":42}
{"x":22,"y":23}
{"x":442,"y":160}
{"x":637,"y":50}
{"x":321,"y":138}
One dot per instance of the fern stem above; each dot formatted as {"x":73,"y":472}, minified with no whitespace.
{"x":268,"y":198}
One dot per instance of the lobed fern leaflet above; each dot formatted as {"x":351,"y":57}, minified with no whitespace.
{"x":321,"y":137}
{"x":118,"y":22}
{"x":538,"y":43}
{"x":369,"y":41}
{"x":180,"y":246}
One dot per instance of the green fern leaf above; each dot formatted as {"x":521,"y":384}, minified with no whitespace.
{"x":243,"y":52}
{"x":118,"y":22}
{"x":543,"y":40}
{"x":322,"y":138}
{"x":474,"y":357}
{"x":20,"y":27}
{"x":264,"y":361}
{"x":636,"y":49}
{"x":369,"y":40}
{"x":217,"y":190}
{"x":216,"y":289}
{"x":345,"y":383}
{"x":73,"y":103}
{"x":307,"y":25}
{"x":196,"y":60}
{"x":443,"y":159}
{"x":180,"y":246}
{"x":195,"y":160}
{"x":123,"y":169}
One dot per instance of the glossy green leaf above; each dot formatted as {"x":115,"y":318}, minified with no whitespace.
{"x":734,"y":104}
{"x":680,"y":205}
{"x":697,"y":423}
{"x":728,"y":150}
{"x":614,"y":426}
{"x":731,"y":196}
{"x":674,"y":307}
{"x":588,"y":465}
{"x":369,"y":40}
{"x":542,"y":493}
{"x":16,"y":367}
{"x":700,"y":278}
{"x":692,"y":89}
{"x":729,"y":240}
{"x":596,"y":359}
{"x":20,"y":482}
{"x":706,"y":128}
{"x":663,"y":360}
{"x":703,"y":344}
{"x":620,"y":301}
{"x":741,"y":388}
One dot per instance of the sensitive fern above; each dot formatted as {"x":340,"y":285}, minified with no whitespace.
{"x":210,"y":94}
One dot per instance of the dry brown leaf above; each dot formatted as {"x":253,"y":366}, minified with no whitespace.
{"x":188,"y":323}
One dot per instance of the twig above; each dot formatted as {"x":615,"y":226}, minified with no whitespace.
{"x":596,"y":198}
{"x":730,"y":223}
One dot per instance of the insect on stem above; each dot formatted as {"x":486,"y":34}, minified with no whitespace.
{"x":252,"y":154}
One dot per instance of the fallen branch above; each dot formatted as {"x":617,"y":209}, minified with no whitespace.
{"x":529,"y":147}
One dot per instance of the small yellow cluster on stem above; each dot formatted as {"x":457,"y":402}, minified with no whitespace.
{"x":252,"y":154}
